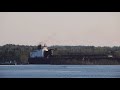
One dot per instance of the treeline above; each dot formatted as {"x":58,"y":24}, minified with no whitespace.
{"x":20,"y":53}
{"x":15,"y":53}
{"x":87,"y":50}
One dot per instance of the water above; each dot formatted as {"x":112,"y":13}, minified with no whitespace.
{"x":59,"y":71}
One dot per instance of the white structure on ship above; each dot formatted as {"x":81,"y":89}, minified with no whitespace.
{"x":40,"y":53}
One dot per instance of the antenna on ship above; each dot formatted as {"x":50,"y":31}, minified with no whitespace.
{"x":39,"y":46}
{"x":48,"y":39}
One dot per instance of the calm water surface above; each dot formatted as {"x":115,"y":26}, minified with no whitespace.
{"x":59,"y":71}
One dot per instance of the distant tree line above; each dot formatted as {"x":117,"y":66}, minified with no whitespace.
{"x":87,"y":50}
{"x":20,"y":53}
{"x":15,"y":53}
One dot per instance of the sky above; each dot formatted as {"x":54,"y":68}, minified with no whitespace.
{"x":60,"y":28}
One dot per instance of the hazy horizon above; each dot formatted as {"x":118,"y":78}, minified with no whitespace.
{"x":60,"y":28}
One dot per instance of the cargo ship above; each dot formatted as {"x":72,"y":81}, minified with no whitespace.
{"x":43,"y":55}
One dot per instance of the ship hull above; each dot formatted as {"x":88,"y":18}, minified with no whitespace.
{"x":39,"y":61}
{"x":68,"y":59}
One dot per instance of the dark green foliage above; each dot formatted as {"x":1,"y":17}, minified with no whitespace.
{"x":20,"y":53}
{"x":15,"y":53}
{"x":86,"y":50}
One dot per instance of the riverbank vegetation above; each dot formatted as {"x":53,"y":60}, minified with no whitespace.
{"x":19,"y":54}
